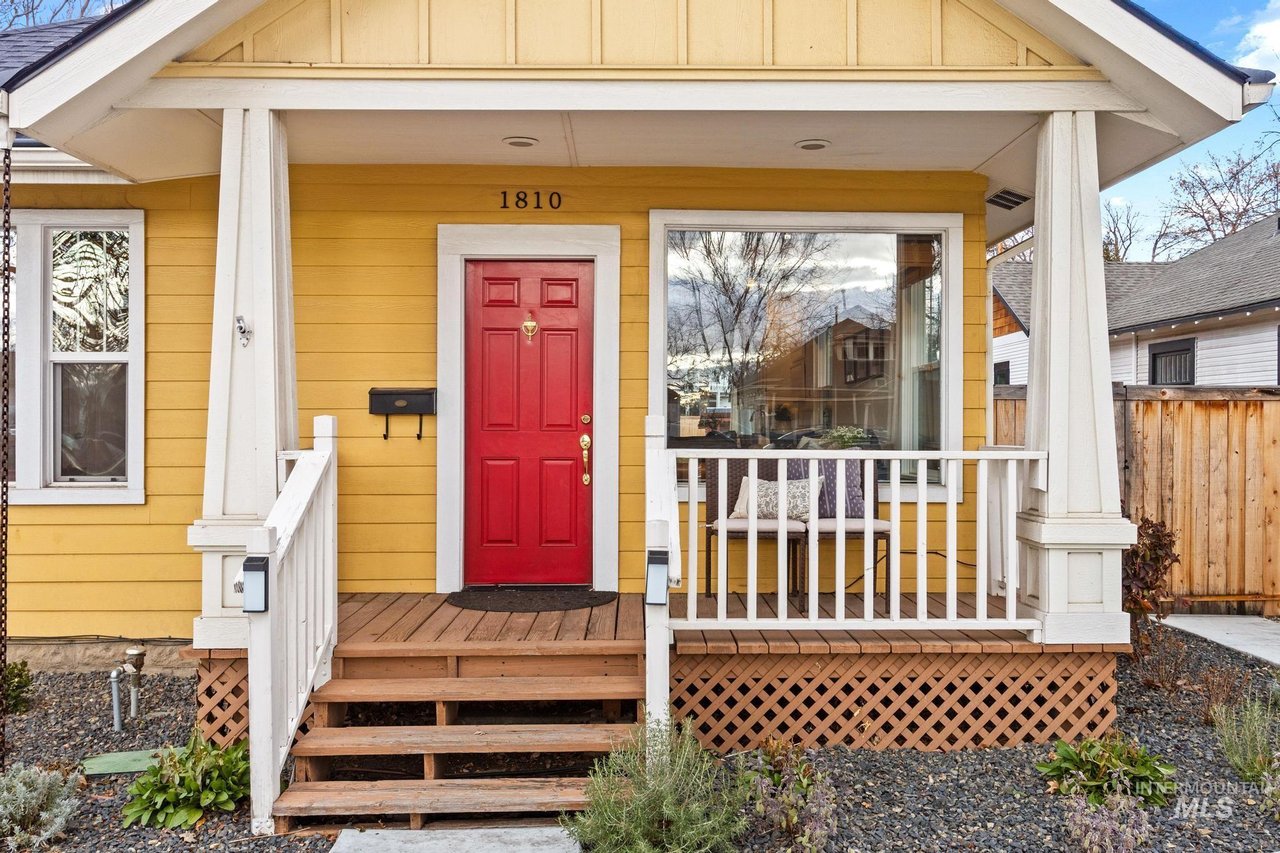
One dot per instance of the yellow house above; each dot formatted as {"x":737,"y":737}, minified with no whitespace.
{"x":633,"y":351}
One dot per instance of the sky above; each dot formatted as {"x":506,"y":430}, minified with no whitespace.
{"x":1246,"y":32}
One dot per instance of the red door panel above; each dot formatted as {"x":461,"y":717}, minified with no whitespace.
{"x":527,"y":509}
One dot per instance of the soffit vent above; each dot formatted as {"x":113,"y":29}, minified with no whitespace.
{"x":1008,"y":199}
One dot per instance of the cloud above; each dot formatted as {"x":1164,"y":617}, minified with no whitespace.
{"x":1260,"y":46}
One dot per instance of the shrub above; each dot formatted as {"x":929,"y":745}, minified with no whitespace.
{"x":790,"y":795}
{"x":1119,"y":825}
{"x":1271,"y":787}
{"x":1222,"y":685}
{"x":183,"y":783}
{"x":1145,"y":573}
{"x":1247,"y":732}
{"x":1097,"y":768}
{"x":1164,"y":665}
{"x":661,"y":792}
{"x":35,"y":806}
{"x":17,"y":684}
{"x":843,"y":437}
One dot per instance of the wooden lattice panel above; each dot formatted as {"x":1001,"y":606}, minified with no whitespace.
{"x":222,"y":699}
{"x":902,"y":701}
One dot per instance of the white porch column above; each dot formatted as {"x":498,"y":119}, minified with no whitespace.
{"x":253,"y":410}
{"x":1071,"y":528}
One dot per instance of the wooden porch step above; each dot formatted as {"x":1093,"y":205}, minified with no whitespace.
{"x":516,"y":689}
{"x":456,"y":739}
{"x":431,"y":796}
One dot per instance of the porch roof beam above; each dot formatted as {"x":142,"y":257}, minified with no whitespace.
{"x":611,"y":95}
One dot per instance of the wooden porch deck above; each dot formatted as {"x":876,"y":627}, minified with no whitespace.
{"x":883,"y":640}
{"x":399,"y":624}
{"x":390,"y":624}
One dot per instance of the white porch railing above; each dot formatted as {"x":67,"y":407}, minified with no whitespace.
{"x":291,"y":644}
{"x":881,"y":603}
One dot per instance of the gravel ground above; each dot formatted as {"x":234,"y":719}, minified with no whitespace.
{"x":980,"y":800}
{"x":70,"y":719}
{"x":995,"y":800}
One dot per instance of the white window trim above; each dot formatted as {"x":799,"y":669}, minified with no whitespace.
{"x":949,"y":225}
{"x":457,"y":244}
{"x":33,"y":483}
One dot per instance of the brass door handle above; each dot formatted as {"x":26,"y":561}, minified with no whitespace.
{"x":585,"y":443}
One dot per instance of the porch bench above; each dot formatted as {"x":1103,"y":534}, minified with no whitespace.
{"x":855,"y":524}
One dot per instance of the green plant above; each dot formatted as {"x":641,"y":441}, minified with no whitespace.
{"x":1248,"y":734}
{"x":17,"y":684}
{"x":1145,"y":574}
{"x":661,"y":792}
{"x":1271,"y":787}
{"x":1112,"y":764}
{"x":35,"y":806}
{"x":183,"y":783}
{"x":790,"y":795}
{"x":841,"y":437}
{"x":1119,"y":825}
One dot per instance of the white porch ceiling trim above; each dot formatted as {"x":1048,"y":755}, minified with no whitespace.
{"x":588,"y":95}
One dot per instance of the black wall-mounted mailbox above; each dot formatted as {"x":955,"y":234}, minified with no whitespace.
{"x":401,"y":401}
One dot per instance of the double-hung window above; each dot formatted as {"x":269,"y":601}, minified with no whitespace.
{"x":79,"y":357}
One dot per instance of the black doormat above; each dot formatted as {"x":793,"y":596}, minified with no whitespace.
{"x":528,"y":599}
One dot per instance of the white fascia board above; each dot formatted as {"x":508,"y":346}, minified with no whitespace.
{"x":1123,"y":47}
{"x":661,"y":95}
{"x":78,"y":89}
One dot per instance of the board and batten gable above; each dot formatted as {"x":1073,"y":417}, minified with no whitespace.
{"x":644,"y":36}
{"x":364,"y":253}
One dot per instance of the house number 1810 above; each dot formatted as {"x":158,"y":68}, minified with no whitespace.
{"x":525,"y":200}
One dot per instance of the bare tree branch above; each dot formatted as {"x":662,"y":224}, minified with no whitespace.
{"x":1121,"y":228}
{"x":1216,"y":197}
{"x":16,"y":14}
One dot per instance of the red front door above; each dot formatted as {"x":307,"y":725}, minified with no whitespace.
{"x":528,"y":381}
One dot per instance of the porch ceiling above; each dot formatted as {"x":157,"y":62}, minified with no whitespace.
{"x":1000,"y":145}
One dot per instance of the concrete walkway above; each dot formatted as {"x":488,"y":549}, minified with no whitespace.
{"x":1251,"y":635}
{"x":516,"y":839}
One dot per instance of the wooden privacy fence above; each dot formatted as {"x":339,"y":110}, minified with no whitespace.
{"x":1207,"y":462}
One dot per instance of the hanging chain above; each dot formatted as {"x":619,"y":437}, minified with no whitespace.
{"x":6,"y":464}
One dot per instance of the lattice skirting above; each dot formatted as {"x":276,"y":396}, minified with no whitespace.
{"x":222,"y":699}
{"x":894,"y":701}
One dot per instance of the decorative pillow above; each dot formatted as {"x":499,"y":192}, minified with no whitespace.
{"x":767,"y":499}
{"x":799,"y":469}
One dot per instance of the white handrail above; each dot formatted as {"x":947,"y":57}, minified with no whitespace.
{"x":995,"y":476}
{"x":291,"y":643}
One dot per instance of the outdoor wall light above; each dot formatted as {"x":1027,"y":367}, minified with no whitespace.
{"x":655,"y":577}
{"x":255,"y":584}
{"x":813,"y":144}
{"x":520,"y":141}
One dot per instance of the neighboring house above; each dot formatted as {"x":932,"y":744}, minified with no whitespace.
{"x":559,"y":235}
{"x":1210,"y":318}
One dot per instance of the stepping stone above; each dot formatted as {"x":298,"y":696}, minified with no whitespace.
{"x":515,"y":839}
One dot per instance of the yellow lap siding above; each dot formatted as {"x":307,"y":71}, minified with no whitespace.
{"x":365,"y":313}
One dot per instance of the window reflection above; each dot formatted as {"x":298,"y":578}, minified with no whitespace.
{"x":797,"y":339}
{"x":90,"y":291}
{"x":92,"y":421}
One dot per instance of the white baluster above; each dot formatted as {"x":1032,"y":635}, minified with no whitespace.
{"x":840,"y":542}
{"x":783,"y":539}
{"x":753,"y":476}
{"x":869,"y":543}
{"x":1011,"y":538}
{"x":813,"y":540}
{"x":953,"y":482}
{"x":922,"y":539}
{"x":693,"y":539}
{"x":980,"y":552}
{"x":895,"y":539}
{"x":722,"y":543}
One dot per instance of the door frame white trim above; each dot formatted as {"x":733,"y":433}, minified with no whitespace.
{"x":457,"y":244}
